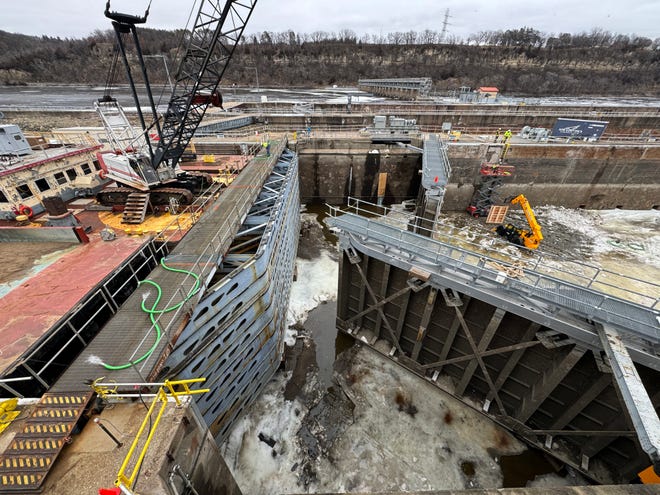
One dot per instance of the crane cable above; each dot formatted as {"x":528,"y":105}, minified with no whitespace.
{"x":153,"y":311}
{"x":112,"y":71}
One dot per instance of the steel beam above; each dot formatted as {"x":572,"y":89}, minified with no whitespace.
{"x":453,"y":330}
{"x":548,"y":382}
{"x":490,"y":352}
{"x":594,"y":390}
{"x":482,"y":365}
{"x":363,"y":270}
{"x":378,"y":308}
{"x":635,"y":397}
{"x":423,"y":325}
{"x":403,"y":310}
{"x":619,"y":423}
{"x":343,"y":296}
{"x":584,"y":433}
{"x":381,"y":293}
{"x":379,"y":304}
{"x":512,"y":362}
{"x":487,"y":336}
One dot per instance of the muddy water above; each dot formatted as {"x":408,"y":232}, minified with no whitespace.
{"x":329,"y":343}
{"x":517,"y":470}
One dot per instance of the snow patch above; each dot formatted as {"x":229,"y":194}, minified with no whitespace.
{"x":316,"y":283}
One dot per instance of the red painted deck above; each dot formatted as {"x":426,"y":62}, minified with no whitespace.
{"x":29,"y":311}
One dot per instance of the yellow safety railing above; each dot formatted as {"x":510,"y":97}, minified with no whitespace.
{"x":169,"y":389}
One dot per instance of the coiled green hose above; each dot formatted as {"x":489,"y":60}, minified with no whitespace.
{"x":153,"y":311}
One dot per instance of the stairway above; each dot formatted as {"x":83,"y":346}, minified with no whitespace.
{"x":135,"y":208}
{"x":31,"y":453}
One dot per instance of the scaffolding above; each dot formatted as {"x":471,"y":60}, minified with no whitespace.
{"x":492,"y":176}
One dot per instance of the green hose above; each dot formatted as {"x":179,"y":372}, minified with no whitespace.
{"x":153,"y":311}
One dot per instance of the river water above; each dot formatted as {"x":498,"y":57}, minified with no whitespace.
{"x":82,"y":97}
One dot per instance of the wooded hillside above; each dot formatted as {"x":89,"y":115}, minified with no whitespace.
{"x":523,"y":61}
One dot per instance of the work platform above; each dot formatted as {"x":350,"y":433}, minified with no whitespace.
{"x":532,"y":344}
{"x":130,"y":334}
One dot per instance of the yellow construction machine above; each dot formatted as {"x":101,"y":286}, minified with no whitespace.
{"x":521,"y":237}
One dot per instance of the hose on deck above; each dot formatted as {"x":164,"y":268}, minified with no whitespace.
{"x":153,"y":312}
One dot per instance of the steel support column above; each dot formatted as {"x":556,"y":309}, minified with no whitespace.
{"x":453,"y":330}
{"x":363,"y":284}
{"x":381,"y":294}
{"x":402,"y":314}
{"x":635,"y":397}
{"x":423,"y":325}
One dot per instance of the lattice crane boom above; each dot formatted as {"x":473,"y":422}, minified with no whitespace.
{"x":211,"y":43}
{"x":136,"y":160}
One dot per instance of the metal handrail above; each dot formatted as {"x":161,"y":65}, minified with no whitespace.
{"x":167,"y":390}
{"x":542,"y":278}
{"x":198,"y":267}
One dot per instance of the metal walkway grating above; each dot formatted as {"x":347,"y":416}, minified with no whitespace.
{"x":32,"y":452}
{"x":581,"y":297}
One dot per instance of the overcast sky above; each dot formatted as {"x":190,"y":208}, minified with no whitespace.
{"x":78,"y":18}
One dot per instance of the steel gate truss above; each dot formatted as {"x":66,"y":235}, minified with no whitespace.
{"x":549,"y":379}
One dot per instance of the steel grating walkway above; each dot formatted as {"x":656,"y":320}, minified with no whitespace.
{"x":546,"y":293}
{"x":129,"y":334}
{"x":32,"y":452}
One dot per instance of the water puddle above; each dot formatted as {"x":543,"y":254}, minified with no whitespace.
{"x":517,"y":470}
{"x":329,"y":342}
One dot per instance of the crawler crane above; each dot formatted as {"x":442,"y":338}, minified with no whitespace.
{"x":145,"y":163}
{"x":521,"y":237}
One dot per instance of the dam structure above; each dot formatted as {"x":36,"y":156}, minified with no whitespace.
{"x":562,"y":353}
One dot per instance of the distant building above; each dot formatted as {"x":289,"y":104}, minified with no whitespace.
{"x":488,"y":93}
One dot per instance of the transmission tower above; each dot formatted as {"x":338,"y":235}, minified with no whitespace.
{"x":445,"y":23}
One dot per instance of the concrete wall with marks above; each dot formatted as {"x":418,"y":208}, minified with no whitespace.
{"x":590,"y":176}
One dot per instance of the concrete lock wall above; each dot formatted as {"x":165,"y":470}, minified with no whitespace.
{"x":574,"y":175}
{"x":331,"y":170}
{"x":631,"y":120}
{"x":193,"y":448}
